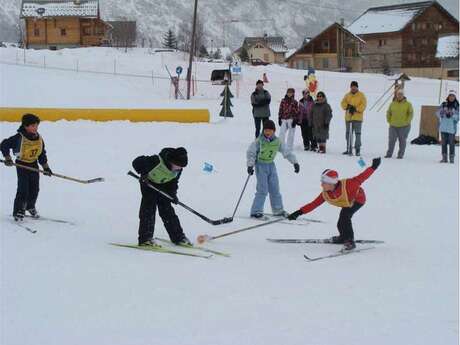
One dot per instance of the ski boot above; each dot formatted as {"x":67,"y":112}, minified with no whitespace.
{"x":444,"y":159}
{"x":257,"y":215}
{"x":348,"y":245}
{"x":336,"y":239}
{"x":452,"y":158}
{"x":19,"y":216}
{"x":33,"y":212}
{"x":358,"y":152}
{"x":149,"y":243}
{"x":184,"y":241}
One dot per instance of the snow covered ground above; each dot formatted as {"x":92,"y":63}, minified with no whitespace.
{"x":66,"y":285}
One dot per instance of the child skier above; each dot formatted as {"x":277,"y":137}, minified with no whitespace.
{"x":261,"y":154}
{"x":347,"y":194}
{"x":287,"y":118}
{"x":28,"y":147}
{"x":163,"y":172}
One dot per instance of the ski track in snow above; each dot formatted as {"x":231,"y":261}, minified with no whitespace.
{"x":66,"y":285}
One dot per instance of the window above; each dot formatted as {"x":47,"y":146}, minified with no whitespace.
{"x":414,"y":27}
{"x":86,"y":31}
{"x":325,"y":63}
{"x":423,"y":26}
{"x":411,"y":42}
{"x":36,"y":32}
{"x":440,"y":26}
{"x":99,"y":30}
{"x":382,"y":43}
{"x":63,"y":32}
{"x":424,"y":42}
{"x":452,"y":73}
{"x":325,"y":44}
{"x":258,"y":46}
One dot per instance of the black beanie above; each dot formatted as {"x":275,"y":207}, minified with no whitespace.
{"x":354,"y":83}
{"x":178,"y":157}
{"x":259,"y":82}
{"x":269,"y":124}
{"x":29,"y":119}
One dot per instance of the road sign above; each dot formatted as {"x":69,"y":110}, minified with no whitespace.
{"x":179,"y":70}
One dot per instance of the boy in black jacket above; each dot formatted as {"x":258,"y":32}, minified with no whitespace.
{"x":163,"y":172}
{"x":28,"y":147}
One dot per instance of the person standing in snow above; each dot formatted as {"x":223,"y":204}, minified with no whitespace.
{"x":321,"y":114}
{"x":261,"y":155}
{"x":346,"y":194}
{"x":163,"y":172}
{"x":448,"y":119}
{"x":399,"y":117}
{"x":29,"y":148}
{"x":287,"y":118}
{"x":305,"y":120}
{"x":354,"y":103}
{"x":260,"y":100}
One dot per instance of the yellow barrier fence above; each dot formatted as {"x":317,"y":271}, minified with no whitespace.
{"x":134,"y":115}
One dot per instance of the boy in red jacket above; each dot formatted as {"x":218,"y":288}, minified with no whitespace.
{"x":347,"y":194}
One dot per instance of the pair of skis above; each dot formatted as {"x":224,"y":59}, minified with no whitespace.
{"x":32,"y":230}
{"x":326,"y":241}
{"x":168,"y":249}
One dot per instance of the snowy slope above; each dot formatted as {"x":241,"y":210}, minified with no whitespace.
{"x":66,"y":285}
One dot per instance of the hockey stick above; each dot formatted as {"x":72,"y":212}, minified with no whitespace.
{"x":241,"y":195}
{"x":204,"y":238}
{"x":188,"y":208}
{"x":97,"y":179}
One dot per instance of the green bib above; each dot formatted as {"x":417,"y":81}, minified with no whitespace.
{"x":268,"y":150}
{"x":161,"y":174}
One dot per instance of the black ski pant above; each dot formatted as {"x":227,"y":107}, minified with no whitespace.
{"x":151,"y":200}
{"x":307,"y":135}
{"x":257,"y":122}
{"x":28,"y":188}
{"x":344,"y":224}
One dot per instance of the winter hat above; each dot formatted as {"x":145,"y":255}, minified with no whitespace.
{"x":29,"y":119}
{"x":452,"y":92}
{"x":259,"y":82}
{"x":329,"y":176}
{"x":178,"y":157}
{"x":291,"y":89}
{"x":354,"y":83}
{"x":269,"y":124}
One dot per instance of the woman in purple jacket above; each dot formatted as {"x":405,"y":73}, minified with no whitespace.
{"x":305,"y":121}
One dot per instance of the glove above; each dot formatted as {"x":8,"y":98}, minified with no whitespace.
{"x":296,"y":168}
{"x":294,"y":215}
{"x":293,"y":124}
{"x":144,"y":178}
{"x":8,"y":161}
{"x":48,"y":171}
{"x":251,"y":170}
{"x":376,"y":162}
{"x":279,"y":121}
{"x":174,"y":200}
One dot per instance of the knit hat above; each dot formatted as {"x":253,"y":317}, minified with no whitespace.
{"x":354,"y":83}
{"x":178,"y":157}
{"x":269,"y":124}
{"x":329,"y":176}
{"x":29,"y":119}
{"x":452,"y":92}
{"x":259,"y":82}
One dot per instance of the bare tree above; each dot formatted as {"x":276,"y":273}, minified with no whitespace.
{"x":184,"y":35}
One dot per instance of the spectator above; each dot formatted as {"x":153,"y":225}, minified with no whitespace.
{"x":448,"y":120}
{"x":260,"y":100}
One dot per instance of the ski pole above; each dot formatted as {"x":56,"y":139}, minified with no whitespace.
{"x":97,"y":179}
{"x":241,"y":195}
{"x":203,"y":238}
{"x":188,"y":208}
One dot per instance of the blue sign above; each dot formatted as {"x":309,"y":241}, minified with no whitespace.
{"x":178,"y":70}
{"x":236,"y":69}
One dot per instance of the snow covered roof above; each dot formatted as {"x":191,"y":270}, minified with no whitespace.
{"x":60,"y":8}
{"x":387,"y":18}
{"x":447,"y":47}
{"x":275,"y":43}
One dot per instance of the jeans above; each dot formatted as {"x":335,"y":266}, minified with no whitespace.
{"x":267,"y":183}
{"x":257,"y":122}
{"x":355,"y":127}
{"x":448,"y":139}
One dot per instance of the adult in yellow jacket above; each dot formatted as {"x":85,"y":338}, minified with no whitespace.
{"x":354,"y":103}
{"x":399,"y":117}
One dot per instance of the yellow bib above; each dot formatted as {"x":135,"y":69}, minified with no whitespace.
{"x":30,"y":149}
{"x":342,"y":200}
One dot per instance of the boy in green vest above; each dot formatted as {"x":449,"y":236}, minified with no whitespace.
{"x":261,"y":154}
{"x":163,"y":172}
{"x":29,"y":148}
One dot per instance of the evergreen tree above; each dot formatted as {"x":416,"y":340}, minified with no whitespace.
{"x":226,"y":102}
{"x":244,"y":56}
{"x":169,"y":40}
{"x":203,"y":52}
{"x":217,"y":54}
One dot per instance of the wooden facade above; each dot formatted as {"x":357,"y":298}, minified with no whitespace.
{"x":43,"y":31}
{"x":412,"y":49}
{"x":271,"y":49}
{"x":334,"y":49}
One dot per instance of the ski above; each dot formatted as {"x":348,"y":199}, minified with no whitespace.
{"x":25,"y":227}
{"x":203,"y":249}
{"x":339,"y":253}
{"x":51,"y":220}
{"x":306,"y":220}
{"x":317,"y":240}
{"x":159,"y":249}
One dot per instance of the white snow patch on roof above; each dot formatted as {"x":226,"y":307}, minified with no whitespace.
{"x":382,"y":21}
{"x":60,"y":9}
{"x":447,"y":47}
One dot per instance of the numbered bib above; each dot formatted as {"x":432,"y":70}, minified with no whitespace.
{"x":30,"y":149}
{"x":268,"y":150}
